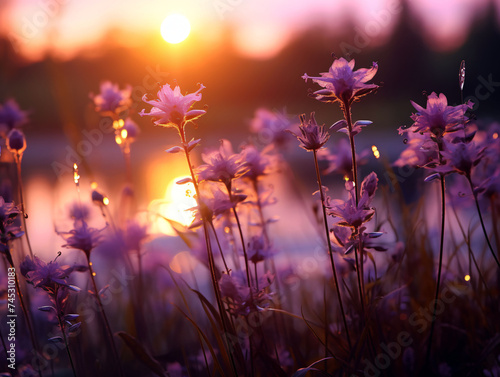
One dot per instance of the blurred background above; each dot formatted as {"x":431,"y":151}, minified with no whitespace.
{"x":248,"y":54}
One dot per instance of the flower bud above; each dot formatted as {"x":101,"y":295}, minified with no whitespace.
{"x":16,"y":142}
{"x":97,"y":197}
{"x":132,"y":129}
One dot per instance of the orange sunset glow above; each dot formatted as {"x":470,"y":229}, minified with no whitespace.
{"x":68,"y":26}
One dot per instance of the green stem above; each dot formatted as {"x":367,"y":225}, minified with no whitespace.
{"x":330,"y":251}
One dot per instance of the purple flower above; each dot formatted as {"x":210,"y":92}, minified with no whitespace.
{"x":98,"y":197}
{"x":11,"y":116}
{"x":27,"y":265}
{"x":312,"y":136}
{"x":78,"y":211}
{"x":222,"y":165}
{"x":235,"y":290}
{"x":460,"y":157}
{"x":258,"y":249}
{"x":8,"y":211}
{"x":490,"y":186}
{"x":346,"y":240}
{"x":257,"y":162}
{"x":420,"y":149}
{"x":368,"y":189}
{"x":343,"y":83}
{"x":439,"y":118}
{"x":172,"y":109}
{"x":9,"y":230}
{"x":112,"y":101}
{"x":135,"y":234}
{"x":48,"y":276}
{"x":113,"y":246}
{"x":132,"y":129}
{"x":339,"y":158}
{"x":271,"y":127}
{"x":82,"y":238}
{"x":350,"y":214}
{"x":213,"y":202}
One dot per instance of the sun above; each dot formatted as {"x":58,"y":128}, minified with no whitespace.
{"x":175,"y":28}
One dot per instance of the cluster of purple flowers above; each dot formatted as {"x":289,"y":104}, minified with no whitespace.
{"x":245,"y":322}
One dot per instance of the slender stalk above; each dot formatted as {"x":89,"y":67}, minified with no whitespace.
{"x":282,"y":325}
{"x":266,"y":238}
{"x":482,"y":221}
{"x":18,"y":157}
{"x":219,"y":246}
{"x":471,"y":254}
{"x":128,"y":163}
{"x":256,"y":276}
{"x":261,"y":213}
{"x":346,"y":108}
{"x":140,"y":297}
{"x":330,"y":252}
{"x":205,"y":231}
{"x":229,"y":234}
{"x":243,"y":245}
{"x":208,"y":246}
{"x":28,"y":320}
{"x":247,"y":268}
{"x":61,"y":325}
{"x":359,"y":276}
{"x":240,"y":231}
{"x":494,"y":221}
{"x":105,"y":318}
{"x":3,"y":345}
{"x":325,"y":318}
{"x":441,"y":248}
{"x":141,"y":278}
